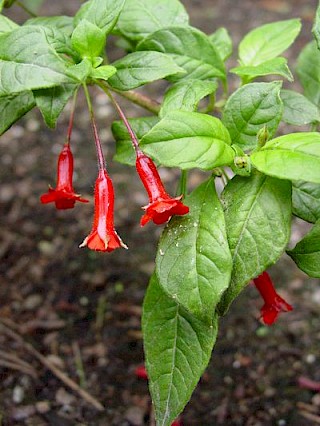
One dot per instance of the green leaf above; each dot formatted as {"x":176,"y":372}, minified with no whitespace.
{"x":125,"y":153}
{"x":28,"y":60}
{"x":81,"y":71}
{"x":316,"y":26}
{"x":187,"y":140}
{"x":258,"y":219}
{"x":298,"y":110}
{"x":88,"y":39}
{"x":276,"y":66}
{"x":104,"y":72}
{"x":190,"y":48}
{"x":102,"y":13}
{"x":14,"y":106}
{"x":185,"y":95}
{"x":222,"y":42}
{"x":139,"y":68}
{"x":193,"y":262}
{"x":6,"y":25}
{"x":177,"y":350}
{"x":307,"y":70}
{"x":268,"y":41}
{"x":61,"y":23}
{"x":306,"y":253}
{"x":52,"y":101}
{"x":306,"y":200}
{"x":249,"y":109}
{"x":294,"y":156}
{"x":1,"y":4}
{"x":142,"y":17}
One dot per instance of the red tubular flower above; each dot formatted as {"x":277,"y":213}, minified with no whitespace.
{"x":161,"y":206}
{"x":141,"y":372}
{"x":103,"y":236}
{"x":63,"y":195}
{"x":274,"y":304}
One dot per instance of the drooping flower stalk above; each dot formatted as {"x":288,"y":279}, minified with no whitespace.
{"x":161,"y":206}
{"x":103,"y":236}
{"x":273,"y":303}
{"x":63,"y":194}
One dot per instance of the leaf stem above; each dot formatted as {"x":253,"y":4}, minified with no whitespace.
{"x":26,"y":9}
{"x":100,"y":155}
{"x":137,"y":98}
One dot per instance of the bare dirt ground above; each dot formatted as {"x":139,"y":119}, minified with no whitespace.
{"x":81,"y":310}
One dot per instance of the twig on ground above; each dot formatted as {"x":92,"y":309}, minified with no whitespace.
{"x":310,"y":416}
{"x":56,"y":371}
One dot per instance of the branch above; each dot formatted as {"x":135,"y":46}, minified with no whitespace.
{"x":56,"y":371}
{"x":135,"y":97}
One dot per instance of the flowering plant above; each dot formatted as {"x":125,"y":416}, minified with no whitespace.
{"x":213,"y":243}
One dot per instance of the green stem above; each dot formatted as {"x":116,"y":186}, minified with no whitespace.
{"x":26,"y":9}
{"x":182,"y":187}
{"x":137,"y":98}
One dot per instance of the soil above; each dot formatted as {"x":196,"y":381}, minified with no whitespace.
{"x":81,"y":310}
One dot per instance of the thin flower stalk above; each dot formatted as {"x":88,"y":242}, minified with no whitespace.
{"x":161,"y":206}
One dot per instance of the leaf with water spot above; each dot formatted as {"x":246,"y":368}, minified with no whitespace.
{"x":193,"y":262}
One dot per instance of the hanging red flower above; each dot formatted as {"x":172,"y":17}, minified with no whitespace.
{"x":63,"y":195}
{"x":274,"y":304}
{"x":161,"y":206}
{"x":103,"y":236}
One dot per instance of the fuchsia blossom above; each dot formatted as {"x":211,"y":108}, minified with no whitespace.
{"x":103,"y":236}
{"x":161,"y":206}
{"x":273,"y":303}
{"x":63,"y":195}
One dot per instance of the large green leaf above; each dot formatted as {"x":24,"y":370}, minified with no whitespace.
{"x":102,"y":13}
{"x":52,"y":101}
{"x":124,"y":150}
{"x":276,"y":66}
{"x":142,"y":17}
{"x":294,"y":156}
{"x":306,"y":200}
{"x":6,"y":25}
{"x":177,"y":350}
{"x":14,"y":106}
{"x":187,"y":140}
{"x":268,"y":41}
{"x":307,"y":70}
{"x":139,"y":68}
{"x":298,"y":110}
{"x":222,"y":42}
{"x":306,"y":253}
{"x":88,"y":39}
{"x":185,"y":95}
{"x":190,"y":48}
{"x":29,"y":61}
{"x":249,"y":109}
{"x":193,"y":263}
{"x":258,"y":218}
{"x":62,"y":23}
